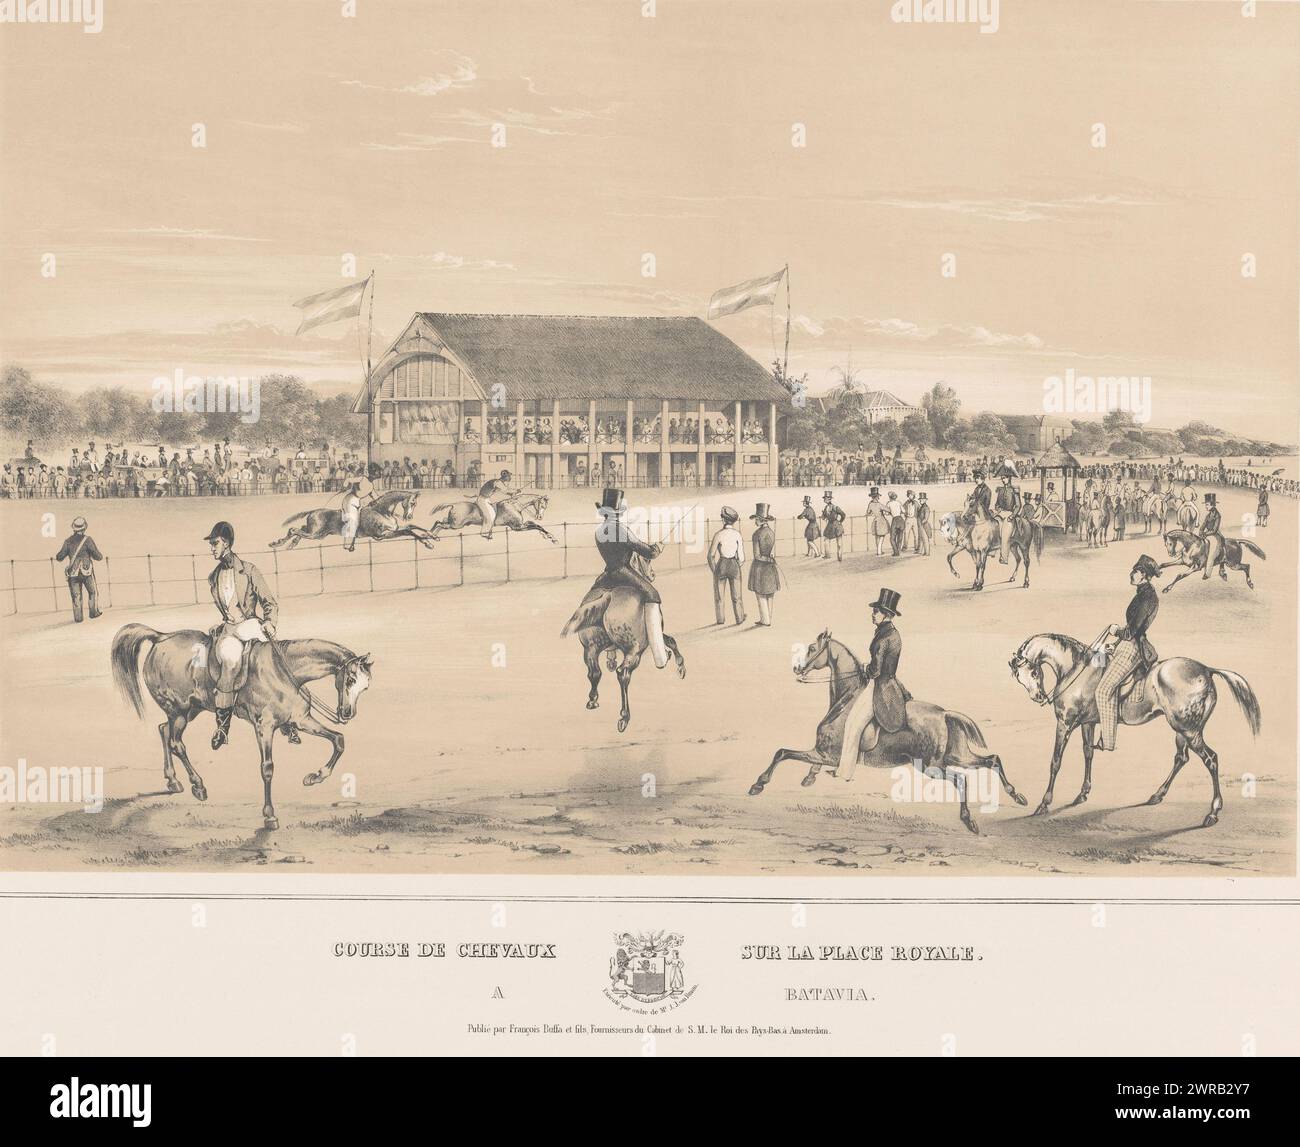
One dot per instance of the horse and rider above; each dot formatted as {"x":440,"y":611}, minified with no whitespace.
{"x":497,"y":502}
{"x":1205,"y":548}
{"x":621,"y":615}
{"x":239,"y":668}
{"x":380,"y":517}
{"x":994,"y":524}
{"x":872,"y":718}
{"x":1119,"y":679}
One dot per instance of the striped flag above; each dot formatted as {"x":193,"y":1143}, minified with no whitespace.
{"x":330,"y":306}
{"x":753,"y":293}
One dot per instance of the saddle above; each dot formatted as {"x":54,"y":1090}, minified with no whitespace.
{"x":1132,"y":685}
{"x":214,"y":664}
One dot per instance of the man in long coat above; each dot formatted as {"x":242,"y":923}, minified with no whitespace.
{"x":764,"y":575}
{"x":883,"y":706}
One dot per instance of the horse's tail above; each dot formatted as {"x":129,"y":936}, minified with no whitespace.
{"x":1254,"y":549}
{"x":295,"y":517}
{"x":960,"y":723}
{"x":1244,"y":695}
{"x":1038,"y":539}
{"x":587,"y":615}
{"x":125,"y":657}
{"x":440,"y":507}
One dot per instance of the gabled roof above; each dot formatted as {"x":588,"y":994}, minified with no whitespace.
{"x":1058,"y":455}
{"x":597,"y":356}
{"x":878,"y":398}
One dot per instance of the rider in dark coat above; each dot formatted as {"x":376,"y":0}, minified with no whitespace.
{"x":627,"y":560}
{"x":1210,"y":531}
{"x":886,"y":711}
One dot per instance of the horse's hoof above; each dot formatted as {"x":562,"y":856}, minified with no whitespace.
{"x":681,"y":669}
{"x":200,"y":793}
{"x":755,"y":789}
{"x":593,"y":704}
{"x":970,"y":824}
{"x":1019,"y":799}
{"x":1167,"y":589}
{"x":809,"y":780}
{"x":1155,"y":798}
{"x":1211,"y":819}
{"x":175,"y":786}
{"x":1041,"y":810}
{"x":271,"y":823}
{"x":622,"y":724}
{"x":312,"y":779}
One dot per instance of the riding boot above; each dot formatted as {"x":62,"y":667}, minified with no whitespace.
{"x":220,"y":737}
{"x":654,"y":623}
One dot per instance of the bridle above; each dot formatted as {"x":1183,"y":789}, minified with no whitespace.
{"x":329,"y":714}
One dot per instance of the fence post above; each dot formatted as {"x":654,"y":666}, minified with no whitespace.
{"x":507,"y":555}
{"x":54,"y":586}
{"x":461,"y":538}
{"x":108,"y":584}
{"x":564,"y":526}
{"x":194,"y":577}
{"x":415,"y":556}
{"x":13,"y":581}
{"x":275,"y":563}
{"x":370,"y":562}
{"x":320,"y":557}
{"x":148,"y":558}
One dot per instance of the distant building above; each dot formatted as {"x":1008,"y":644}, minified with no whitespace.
{"x":562,"y":400}
{"x":878,"y":405}
{"x":1035,"y":433}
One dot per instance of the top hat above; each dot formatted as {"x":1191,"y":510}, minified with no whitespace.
{"x":1211,"y":498}
{"x":828,"y":495}
{"x":760,"y":513}
{"x":729,"y":515}
{"x":807,"y":498}
{"x":1147,"y":565}
{"x":78,"y":524}
{"x":978,"y":475}
{"x":887,"y":602}
{"x":611,"y":501}
{"x":875,"y":492}
{"x":222,"y":530}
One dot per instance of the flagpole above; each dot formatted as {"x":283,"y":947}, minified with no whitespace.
{"x":785,"y":365}
{"x":370,"y":416}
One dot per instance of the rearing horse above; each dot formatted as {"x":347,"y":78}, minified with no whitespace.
{"x":1179,"y":689}
{"x":176,"y":675}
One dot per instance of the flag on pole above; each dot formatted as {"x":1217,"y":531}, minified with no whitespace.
{"x":330,"y":306}
{"x":753,"y":293}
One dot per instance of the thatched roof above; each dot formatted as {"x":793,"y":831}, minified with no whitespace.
{"x":1059,"y":457}
{"x":595,"y":356}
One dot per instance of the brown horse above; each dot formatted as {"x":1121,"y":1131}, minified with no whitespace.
{"x":614,"y":624}
{"x":979,"y":538}
{"x":273,"y":697}
{"x":511,"y":513}
{"x":943,"y":742}
{"x":380,"y":520}
{"x":1180,"y":689}
{"x":1192,"y":550}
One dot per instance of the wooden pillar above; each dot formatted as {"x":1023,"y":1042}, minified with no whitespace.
{"x":629,"y":447}
{"x":773,"y":456}
{"x":735,"y":435}
{"x":555,"y":443}
{"x":665,"y":447}
{"x":593,"y":451}
{"x":699,"y":445}
{"x":519,"y":441}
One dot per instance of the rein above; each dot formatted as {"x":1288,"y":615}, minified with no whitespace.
{"x":329,"y":714}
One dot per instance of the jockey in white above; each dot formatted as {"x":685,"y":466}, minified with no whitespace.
{"x":494,"y":490}
{"x":357,"y":492}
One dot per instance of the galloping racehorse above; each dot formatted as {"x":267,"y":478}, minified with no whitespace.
{"x":273,"y":697}
{"x":980,"y":538}
{"x":943,"y":742}
{"x":510,"y":513}
{"x":1190,"y":550}
{"x":1179,"y":689}
{"x":380,"y":520}
{"x":614,"y":624}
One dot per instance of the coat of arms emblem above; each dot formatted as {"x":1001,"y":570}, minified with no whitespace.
{"x":648,"y":968}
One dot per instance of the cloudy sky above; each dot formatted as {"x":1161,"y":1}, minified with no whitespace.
{"x":669,"y":135}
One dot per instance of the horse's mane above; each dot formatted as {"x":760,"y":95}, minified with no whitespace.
{"x":1073,"y":644}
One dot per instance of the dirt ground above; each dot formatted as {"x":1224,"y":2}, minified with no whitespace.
{"x":473,"y":751}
